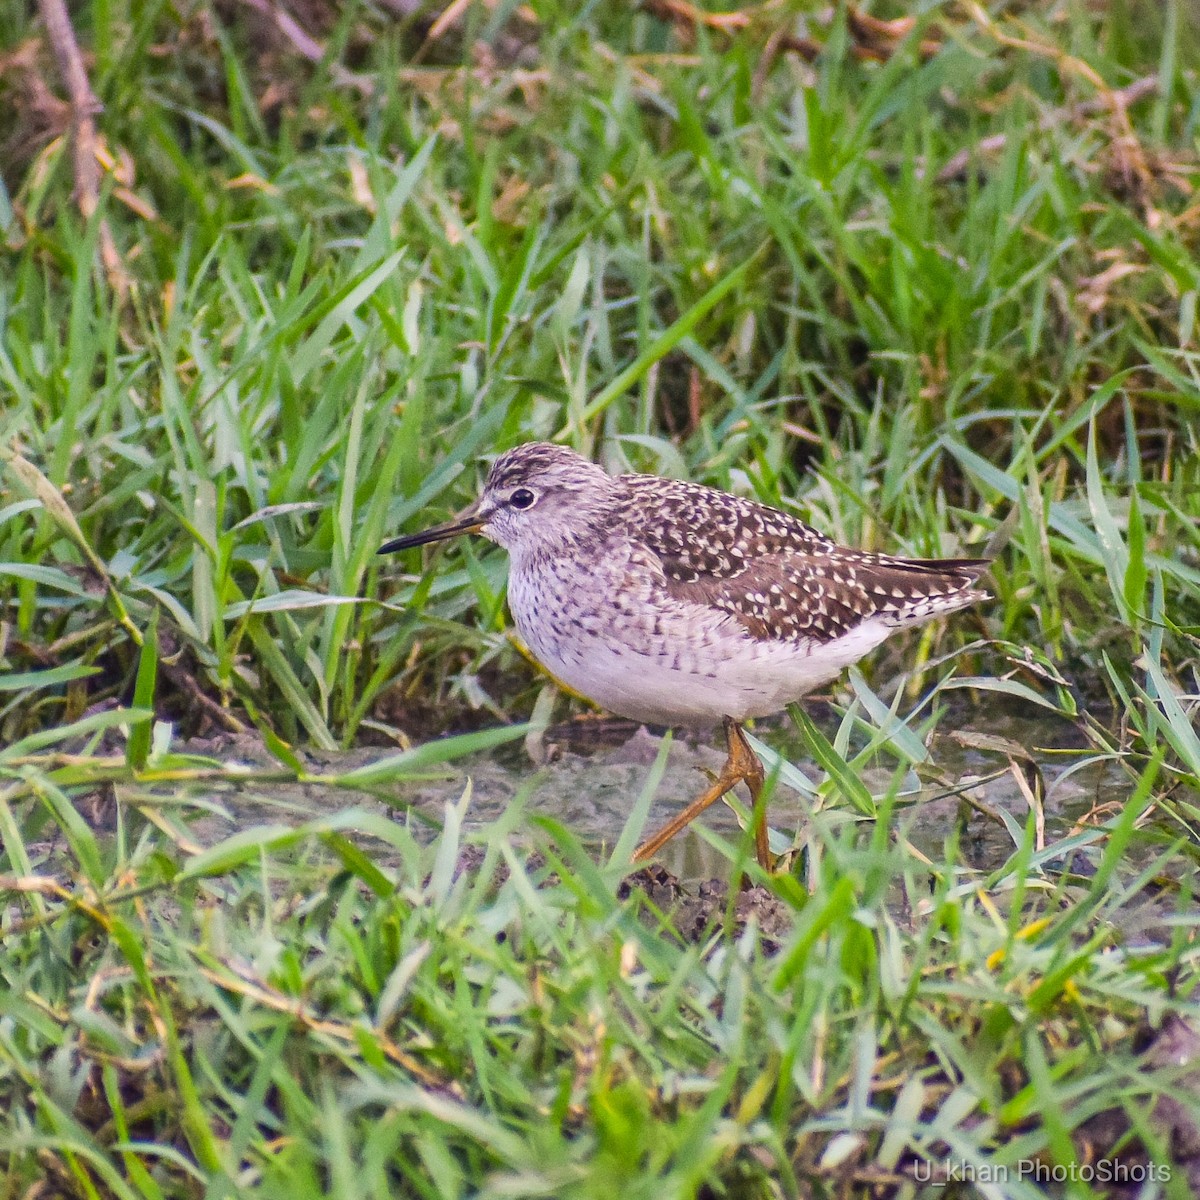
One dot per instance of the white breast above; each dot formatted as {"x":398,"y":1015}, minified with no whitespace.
{"x":618,"y":640}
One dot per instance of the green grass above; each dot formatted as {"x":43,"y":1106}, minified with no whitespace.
{"x":930,"y":299}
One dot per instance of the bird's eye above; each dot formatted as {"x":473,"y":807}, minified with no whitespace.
{"x":522,"y":498}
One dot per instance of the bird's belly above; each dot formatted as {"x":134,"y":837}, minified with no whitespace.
{"x":649,"y":687}
{"x":690,"y":668}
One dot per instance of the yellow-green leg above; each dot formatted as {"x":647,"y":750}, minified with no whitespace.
{"x":742,"y":765}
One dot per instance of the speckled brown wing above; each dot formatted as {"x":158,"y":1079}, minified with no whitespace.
{"x":702,"y":535}
{"x":821,"y":597}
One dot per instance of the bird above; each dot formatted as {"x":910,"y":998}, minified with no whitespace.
{"x":671,"y":603}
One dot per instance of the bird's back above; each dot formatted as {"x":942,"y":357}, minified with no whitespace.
{"x":780,"y":578}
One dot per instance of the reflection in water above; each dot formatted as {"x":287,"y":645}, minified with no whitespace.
{"x":591,"y":789}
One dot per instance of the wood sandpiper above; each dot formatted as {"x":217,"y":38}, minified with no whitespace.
{"x":677,"y":604}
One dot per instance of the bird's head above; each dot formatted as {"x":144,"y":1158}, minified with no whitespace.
{"x":538,"y":498}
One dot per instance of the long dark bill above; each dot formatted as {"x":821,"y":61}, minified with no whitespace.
{"x":439,"y":533}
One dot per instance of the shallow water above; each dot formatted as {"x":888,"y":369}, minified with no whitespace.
{"x":591,"y":783}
